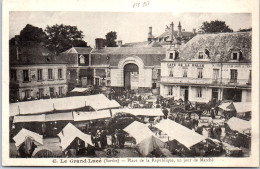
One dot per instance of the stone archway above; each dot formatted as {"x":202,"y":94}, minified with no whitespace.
{"x":139,"y":64}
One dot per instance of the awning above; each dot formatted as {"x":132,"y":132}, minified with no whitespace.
{"x":24,"y":133}
{"x":44,"y":117}
{"x":97,"y":102}
{"x":224,"y":106}
{"x":31,"y":118}
{"x":239,"y":125}
{"x":145,"y":139}
{"x":241,"y":107}
{"x":80,"y":90}
{"x":59,"y":117}
{"x":68,"y":135}
{"x":85,"y":116}
{"x":139,"y":131}
{"x":180,"y":133}
{"x":140,"y":112}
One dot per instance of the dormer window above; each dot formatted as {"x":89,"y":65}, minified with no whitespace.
{"x":81,"y":59}
{"x":174,"y":55}
{"x":201,"y":55}
{"x":171,"y":56}
{"x":207,"y":53}
{"x":235,"y":56}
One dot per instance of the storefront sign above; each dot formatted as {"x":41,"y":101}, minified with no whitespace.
{"x":185,"y":64}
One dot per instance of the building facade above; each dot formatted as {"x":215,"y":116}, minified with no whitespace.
{"x":36,"y":73}
{"x":129,"y":66}
{"x":79,"y":72}
{"x":209,"y":66}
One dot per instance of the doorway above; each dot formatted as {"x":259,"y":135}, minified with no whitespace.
{"x":214,"y":93}
{"x":131,"y":76}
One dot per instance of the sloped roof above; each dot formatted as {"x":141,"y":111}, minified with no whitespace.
{"x":175,"y":33}
{"x":220,"y":46}
{"x":129,"y":50}
{"x":33,"y":53}
{"x":83,"y":50}
{"x":136,"y":44}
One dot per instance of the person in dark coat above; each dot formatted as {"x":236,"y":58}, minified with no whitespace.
{"x":103,"y":139}
{"x":165,"y":112}
{"x":212,"y":113}
{"x":113,"y":139}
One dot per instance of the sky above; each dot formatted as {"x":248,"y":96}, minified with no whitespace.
{"x":130,"y":26}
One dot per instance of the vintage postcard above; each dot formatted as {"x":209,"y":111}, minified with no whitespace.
{"x":130,"y":83}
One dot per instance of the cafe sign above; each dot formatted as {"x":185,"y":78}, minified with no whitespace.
{"x":185,"y":64}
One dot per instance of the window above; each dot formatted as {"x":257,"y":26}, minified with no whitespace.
{"x":171,"y":73}
{"x":41,"y":93}
{"x":170,"y":93}
{"x":26,"y":75}
{"x":154,"y":85}
{"x":235,"y":56}
{"x":233,"y":75}
{"x":27,"y":93}
{"x":250,"y":77}
{"x":39,"y":74}
{"x":201,"y":55}
{"x":60,"y":91}
{"x":207,"y":52}
{"x":185,"y":72}
{"x":200,"y":73}
{"x":108,"y":83}
{"x":50,"y":75}
{"x":171,"y":56}
{"x":215,"y":74}
{"x":176,"y":55}
{"x":52,"y":91}
{"x":60,"y":73}
{"x":97,"y":81}
{"x":13,"y":74}
{"x":81,"y":59}
{"x":199,"y":92}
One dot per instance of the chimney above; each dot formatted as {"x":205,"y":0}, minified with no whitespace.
{"x":99,"y":43}
{"x":119,"y":43}
{"x":179,"y":29}
{"x":16,"y":38}
{"x":194,"y":31}
{"x":150,"y":34}
{"x":171,"y":30}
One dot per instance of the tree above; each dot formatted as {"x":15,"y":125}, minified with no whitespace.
{"x":31,"y":33}
{"x":215,"y":26}
{"x":62,"y":37}
{"x":111,"y":39}
{"x":245,"y":30}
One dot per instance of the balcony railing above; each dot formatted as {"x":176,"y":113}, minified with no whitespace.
{"x":209,"y":81}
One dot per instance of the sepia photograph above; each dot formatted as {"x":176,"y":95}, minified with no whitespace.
{"x":94,"y":87}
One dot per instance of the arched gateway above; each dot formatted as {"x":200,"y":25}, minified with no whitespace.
{"x":131,"y":76}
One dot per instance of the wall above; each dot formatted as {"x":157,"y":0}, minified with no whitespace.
{"x":246,"y":96}
{"x":177,"y":93}
{"x":34,"y":84}
{"x":46,"y":90}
